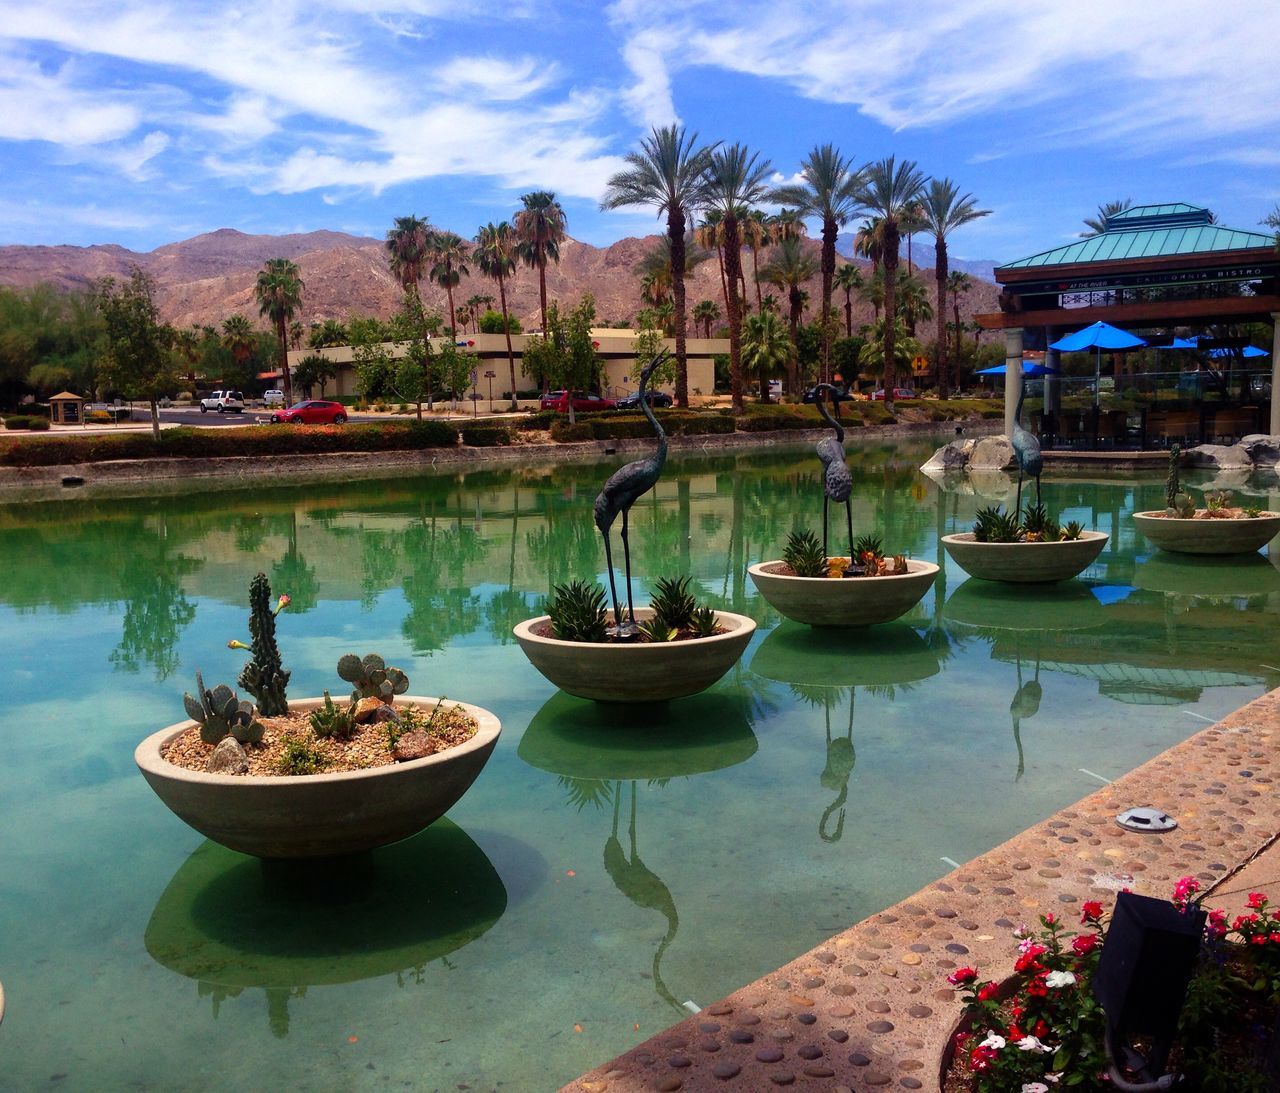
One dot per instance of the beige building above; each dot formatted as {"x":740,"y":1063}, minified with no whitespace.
{"x":616,"y":349}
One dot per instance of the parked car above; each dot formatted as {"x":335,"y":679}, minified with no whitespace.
{"x":225,"y":402}
{"x":841,"y":396}
{"x":659,"y":399}
{"x":775,"y":388}
{"x":898,"y":392}
{"x":556,"y":400}
{"x":274,"y":397}
{"x":312,"y":412}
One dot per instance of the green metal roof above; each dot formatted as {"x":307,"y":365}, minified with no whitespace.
{"x":1149,"y":231}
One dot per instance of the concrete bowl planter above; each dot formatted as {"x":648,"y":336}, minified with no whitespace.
{"x":319,"y":815}
{"x":846,"y":601}
{"x":636,"y":671}
{"x":1242,"y":536}
{"x":1024,"y":563}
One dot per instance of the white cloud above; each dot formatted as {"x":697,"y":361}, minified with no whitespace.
{"x":493,"y":79}
{"x":50,"y":107}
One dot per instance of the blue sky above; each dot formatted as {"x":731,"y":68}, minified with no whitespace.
{"x":146,"y":123}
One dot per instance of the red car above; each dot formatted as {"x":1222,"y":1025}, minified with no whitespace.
{"x":313,"y":412}
{"x":898,"y":392}
{"x":557,"y":400}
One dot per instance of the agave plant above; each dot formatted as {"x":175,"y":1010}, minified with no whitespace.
{"x":673,"y":601}
{"x":1072,"y":530}
{"x":703,"y":622}
{"x":993,"y":525}
{"x":657,"y":629}
{"x":804,"y":554}
{"x":1035,"y":522}
{"x":577,"y":612}
{"x":333,"y":720}
{"x":868,"y":544}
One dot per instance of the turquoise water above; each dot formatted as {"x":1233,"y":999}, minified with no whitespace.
{"x":607,"y":867}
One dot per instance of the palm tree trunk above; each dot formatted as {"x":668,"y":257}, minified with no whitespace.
{"x":155,"y":420}
{"x":542,"y":287}
{"x":793,"y":363}
{"x":955,"y":311}
{"x":940,"y":279}
{"x":733,"y":262}
{"x":890,"y":309}
{"x":830,"y":230}
{"x":724,"y":281}
{"x":755,"y":273}
{"x":675,"y":233}
{"x":506,"y":326}
{"x":453,"y":322}
{"x":848,"y":313}
{"x":283,"y":335}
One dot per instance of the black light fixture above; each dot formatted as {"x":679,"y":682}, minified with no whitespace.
{"x":1148,"y":959}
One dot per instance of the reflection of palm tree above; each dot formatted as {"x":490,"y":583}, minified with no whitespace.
{"x":155,"y":612}
{"x":292,"y":575}
{"x":641,"y":886}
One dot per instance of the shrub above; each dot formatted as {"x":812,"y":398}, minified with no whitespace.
{"x":485,"y":436}
{"x":27,"y":421}
{"x":539,"y":420}
{"x":564,"y":433}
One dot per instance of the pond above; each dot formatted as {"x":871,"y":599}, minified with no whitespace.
{"x":610,"y":870}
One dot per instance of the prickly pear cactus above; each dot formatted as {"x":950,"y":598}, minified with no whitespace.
{"x":264,"y":676}
{"x":220,"y":713}
{"x":371,"y":677}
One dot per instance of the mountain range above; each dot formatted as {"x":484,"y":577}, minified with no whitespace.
{"x":209,"y":277}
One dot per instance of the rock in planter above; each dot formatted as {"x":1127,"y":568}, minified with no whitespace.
{"x":412,"y":745}
{"x":847,"y":601}
{"x":1218,"y":456}
{"x":1024,"y":563}
{"x":228,"y":758}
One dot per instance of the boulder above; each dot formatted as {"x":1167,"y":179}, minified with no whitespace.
{"x":1218,"y":456}
{"x":413,"y":745}
{"x":950,"y":457}
{"x":228,"y":758}
{"x":1263,"y":450}
{"x":993,"y":453}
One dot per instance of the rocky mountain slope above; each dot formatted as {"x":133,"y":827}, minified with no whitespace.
{"x":211,"y":276}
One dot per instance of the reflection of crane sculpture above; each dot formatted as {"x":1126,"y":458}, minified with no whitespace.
{"x":1026,"y":703}
{"x":841,"y":758}
{"x":837,"y":482}
{"x":624,"y":487}
{"x":1027,"y":450}
{"x":641,"y":886}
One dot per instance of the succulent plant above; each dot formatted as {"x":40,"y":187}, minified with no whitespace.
{"x":220,"y":712}
{"x":703,"y":622}
{"x":371,"y":677}
{"x":333,"y":720}
{"x":993,"y":525}
{"x":1072,"y":530}
{"x":673,"y":602}
{"x":658,"y":629}
{"x":1171,"y":483}
{"x":1252,"y":512}
{"x":1035,"y":521}
{"x":1183,"y":507}
{"x":868,"y":544}
{"x":577,"y":612}
{"x":264,"y":676}
{"x":804,"y":554}
{"x":1217,"y":500}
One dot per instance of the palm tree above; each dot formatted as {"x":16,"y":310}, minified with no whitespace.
{"x":407,"y":250}
{"x":478,"y":304}
{"x":769,"y":303}
{"x":706,"y":312}
{"x":848,"y":278}
{"x":889,"y":190}
{"x":238,"y":338}
{"x":757,"y":234}
{"x":786,"y":224}
{"x":912,"y":223}
{"x":296,"y":331}
{"x":669,"y":173}
{"x":735,"y":182}
{"x":830,"y":193}
{"x":957,"y":282}
{"x":279,"y":294}
{"x":913,"y":302}
{"x":330,"y":332}
{"x":765,"y":346}
{"x":788,"y":268}
{"x":496,"y":249}
{"x":540,"y":227}
{"x":872,"y":292}
{"x":944,"y":209}
{"x":448,"y":252}
{"x":1097,"y":223}
{"x":710,"y":234}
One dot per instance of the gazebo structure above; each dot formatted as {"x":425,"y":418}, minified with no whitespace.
{"x":66,"y":409}
{"x":1152,"y":266}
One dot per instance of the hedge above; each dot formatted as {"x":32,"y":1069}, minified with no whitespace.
{"x":486,"y":436}
{"x":564,"y":433}
{"x":26,"y":421}
{"x":212,"y":443}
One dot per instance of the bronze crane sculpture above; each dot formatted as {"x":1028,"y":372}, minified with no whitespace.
{"x":622,"y":489}
{"x":1026,"y":447}
{"x":837,"y":482}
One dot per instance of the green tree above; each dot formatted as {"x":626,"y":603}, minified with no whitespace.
{"x":848,"y":279}
{"x":958,"y":282}
{"x":315,"y":370}
{"x":564,"y":355}
{"x":241,"y":341}
{"x":766,"y":347}
{"x":448,"y":252}
{"x":279,"y":294}
{"x":646,"y":346}
{"x":1097,"y":223}
{"x":406,"y":246}
{"x":706,"y":312}
{"x":789,"y":267}
{"x":669,"y":173}
{"x":139,"y":359}
{"x":328,"y":333}
{"x":493,"y":322}
{"x":891,"y":190}
{"x":413,"y":374}
{"x":831,"y":193}
{"x":455,"y":368}
{"x":912,"y":301}
{"x":735,"y":182}
{"x":945,"y":209}
{"x":496,"y":250}
{"x":871,"y":356}
{"x":540,"y":227}
{"x":1272,"y":221}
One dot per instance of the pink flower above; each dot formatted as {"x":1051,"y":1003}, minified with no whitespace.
{"x":1184,"y":890}
{"x":284,"y":602}
{"x":1050,"y":919}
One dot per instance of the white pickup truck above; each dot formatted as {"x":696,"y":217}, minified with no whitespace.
{"x":225,"y":402}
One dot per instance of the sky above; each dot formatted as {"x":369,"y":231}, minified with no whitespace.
{"x":145,"y":123}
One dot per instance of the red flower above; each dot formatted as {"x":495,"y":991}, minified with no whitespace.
{"x":1013,"y":1034}
{"x":1028,"y":960}
{"x":1257,"y":900}
{"x":1091,"y":911}
{"x":1041,"y":1029}
{"x":1084,"y":944}
{"x":981,"y":1058}
{"x":962,"y":976}
{"x":1050,"y":919}
{"x":987,"y":992}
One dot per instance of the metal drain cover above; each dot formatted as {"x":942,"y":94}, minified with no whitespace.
{"x":1146,"y":819}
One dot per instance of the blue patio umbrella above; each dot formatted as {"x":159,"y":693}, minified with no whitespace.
{"x":1247,"y":351}
{"x":1030,"y":369}
{"x":1179,"y":343}
{"x":1098,"y":337}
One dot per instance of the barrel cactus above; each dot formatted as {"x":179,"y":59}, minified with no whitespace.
{"x":371,"y":678}
{"x":220,"y":713}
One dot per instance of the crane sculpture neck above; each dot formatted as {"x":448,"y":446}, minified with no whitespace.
{"x":1022,"y":393}
{"x":648,"y":410}
{"x":820,"y":392}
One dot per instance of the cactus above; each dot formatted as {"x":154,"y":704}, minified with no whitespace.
{"x":264,"y":677}
{"x":371,"y":677}
{"x":1171,"y":483}
{"x":332,"y":720}
{"x":220,"y":711}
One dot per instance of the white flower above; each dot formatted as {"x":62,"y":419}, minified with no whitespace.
{"x":993,"y":1041}
{"x":1032,"y":1043}
{"x":1035,"y":1087}
{"x":1055,"y":1078}
{"x":1059,"y":979}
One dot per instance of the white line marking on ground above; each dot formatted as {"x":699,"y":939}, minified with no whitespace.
{"x":1270,"y":667}
{"x":1192,"y":713}
{"x":1092,"y":775}
{"x":951,"y":862}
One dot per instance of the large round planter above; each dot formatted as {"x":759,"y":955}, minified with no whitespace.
{"x":998,"y":610}
{"x":1243,"y":536}
{"x":636,"y":671}
{"x":889,"y":656}
{"x":319,"y":815}
{"x":1024,"y":563}
{"x":1203,"y":576}
{"x":847,"y":601}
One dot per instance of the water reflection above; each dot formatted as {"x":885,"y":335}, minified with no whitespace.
{"x":234,"y":923}
{"x":600,"y":756}
{"x":824,"y":669}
